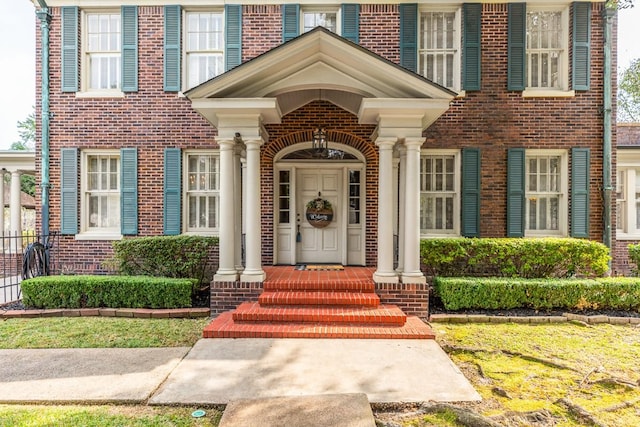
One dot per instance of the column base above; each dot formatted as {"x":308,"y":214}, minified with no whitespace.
{"x":253,"y":276}
{"x":382,"y":277}
{"x":416,"y":277}
{"x":225,"y":276}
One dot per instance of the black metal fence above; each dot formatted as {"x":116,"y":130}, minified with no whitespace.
{"x":24,"y":256}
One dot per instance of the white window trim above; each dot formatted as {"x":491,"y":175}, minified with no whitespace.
{"x":563,"y":91}
{"x":184,"y":36}
{"x":319,"y":9}
{"x":185,"y":200}
{"x":85,"y":232}
{"x":563,"y":213}
{"x":85,"y":71}
{"x":457,"y":59}
{"x":457,"y":186}
{"x":629,"y":161}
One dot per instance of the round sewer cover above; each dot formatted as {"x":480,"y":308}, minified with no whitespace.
{"x":198,"y":414}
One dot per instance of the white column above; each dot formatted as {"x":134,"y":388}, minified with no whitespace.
{"x":253,"y":244}
{"x":411,"y":272}
{"x":226,"y":267}
{"x":239,"y":194}
{"x":385,"y":272}
{"x":14,"y":204}
{"x":401,"y":206}
{"x":2,"y":199}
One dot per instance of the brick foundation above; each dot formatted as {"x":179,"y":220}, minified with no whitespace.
{"x":412,"y":298}
{"x":226,"y":296}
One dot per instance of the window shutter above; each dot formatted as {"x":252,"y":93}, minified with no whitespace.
{"x":290,"y":25}
{"x":69,"y":188}
{"x":233,"y":36}
{"x":129,"y":191}
{"x":172,"y":19}
{"x":351,"y":21}
{"x":515,"y":192}
{"x":516,"y":46}
{"x":172,"y":193}
{"x":129,"y":48}
{"x":581,"y":45}
{"x":70,"y":49}
{"x":470,"y":200}
{"x":580,"y":163}
{"x":409,"y":36}
{"x":471,"y":57}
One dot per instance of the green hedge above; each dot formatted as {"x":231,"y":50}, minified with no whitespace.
{"x":165,"y":256}
{"x":517,"y":257}
{"x":634,"y":257}
{"x":106,"y":291}
{"x":614,"y":293}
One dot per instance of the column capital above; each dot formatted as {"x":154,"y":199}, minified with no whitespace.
{"x":226,"y":144}
{"x":413,"y":143}
{"x":386,"y":143}
{"x":253,"y":143}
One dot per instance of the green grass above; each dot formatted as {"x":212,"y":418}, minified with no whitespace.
{"x":99,"y":332}
{"x":104,"y":416}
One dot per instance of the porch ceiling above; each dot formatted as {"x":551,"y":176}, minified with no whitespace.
{"x":317,"y":65}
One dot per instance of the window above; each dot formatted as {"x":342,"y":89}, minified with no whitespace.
{"x":545,"y":190}
{"x":284,"y":195}
{"x":202,"y":192}
{"x":354,"y":197}
{"x":628,"y":195}
{"x":101,"y":192}
{"x":103,"y":51}
{"x":204,"y":46}
{"x":439,"y":58}
{"x":319,"y":18}
{"x":547,"y":58}
{"x":439,"y":193}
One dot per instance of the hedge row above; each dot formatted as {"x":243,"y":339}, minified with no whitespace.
{"x":106,"y":291}
{"x":613,"y":293}
{"x":511,"y":257}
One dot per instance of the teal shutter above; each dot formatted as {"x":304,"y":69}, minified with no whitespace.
{"x":69,"y":49}
{"x":290,"y":21}
{"x":69,"y":189}
{"x":409,"y":36}
{"x":471,"y":58}
{"x":172,"y":193}
{"x":129,"y":191}
{"x":581,"y":46}
{"x":515,"y":192}
{"x":233,"y":36}
{"x":351,"y":21}
{"x":470,"y":200}
{"x":580,"y":164}
{"x":129,"y":48}
{"x":172,"y":19}
{"x":516,"y":47}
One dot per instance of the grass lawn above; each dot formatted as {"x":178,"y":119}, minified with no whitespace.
{"x":99,"y":332}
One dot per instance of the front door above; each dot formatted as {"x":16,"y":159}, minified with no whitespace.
{"x":319,"y":244}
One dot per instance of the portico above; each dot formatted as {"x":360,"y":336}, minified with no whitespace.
{"x":15,"y":164}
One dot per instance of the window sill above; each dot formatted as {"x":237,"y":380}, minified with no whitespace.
{"x":93,"y":235}
{"x":625,"y":236}
{"x":439,"y":236}
{"x":548,"y":93}
{"x":206,"y":233}
{"x":100,"y":94}
{"x":530,"y":234}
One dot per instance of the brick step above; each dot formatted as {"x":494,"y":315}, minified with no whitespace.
{"x":373,"y":316}
{"x":224,"y":326}
{"x":311,"y":285}
{"x":269,"y":298}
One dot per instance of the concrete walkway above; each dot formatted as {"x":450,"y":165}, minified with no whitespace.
{"x":218,"y":371}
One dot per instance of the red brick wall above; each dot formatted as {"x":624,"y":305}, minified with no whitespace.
{"x":628,"y":134}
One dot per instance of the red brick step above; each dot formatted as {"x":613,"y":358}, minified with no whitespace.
{"x":310,"y":285}
{"x":319,"y":298}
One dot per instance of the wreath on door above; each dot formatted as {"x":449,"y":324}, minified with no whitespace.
{"x":319,"y":212}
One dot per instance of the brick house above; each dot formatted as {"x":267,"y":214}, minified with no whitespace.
{"x":407,"y":120}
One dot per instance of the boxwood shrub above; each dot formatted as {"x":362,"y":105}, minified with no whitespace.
{"x":613,"y":293}
{"x":106,"y":291}
{"x":514,"y":257}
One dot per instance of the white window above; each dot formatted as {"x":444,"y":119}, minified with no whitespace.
{"x":100,"y":203}
{"x":439,"y":192}
{"x":546,"y":193}
{"x":439,"y":47}
{"x":320,"y":17}
{"x":202,"y":202}
{"x":102,"y":51}
{"x":547,"y":46}
{"x":204,"y":46}
{"x":628,"y":195}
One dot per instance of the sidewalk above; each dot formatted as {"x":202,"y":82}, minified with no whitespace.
{"x":217,"y":371}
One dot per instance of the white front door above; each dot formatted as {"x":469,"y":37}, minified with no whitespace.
{"x":319,"y":245}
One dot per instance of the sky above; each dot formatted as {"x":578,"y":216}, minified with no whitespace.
{"x":17,"y":68}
